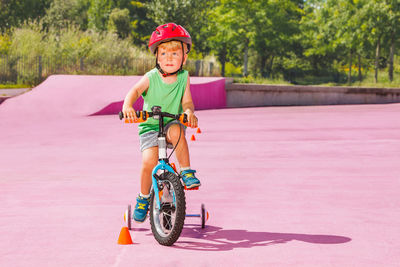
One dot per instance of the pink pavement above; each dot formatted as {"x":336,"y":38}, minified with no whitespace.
{"x":284,"y":186}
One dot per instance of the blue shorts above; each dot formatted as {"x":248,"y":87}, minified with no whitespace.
{"x":150,"y":139}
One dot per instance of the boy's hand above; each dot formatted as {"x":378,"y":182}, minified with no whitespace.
{"x":192,"y":119}
{"x":129,"y":113}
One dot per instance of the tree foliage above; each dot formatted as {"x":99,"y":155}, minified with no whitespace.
{"x":98,"y":14}
{"x":191,"y":14}
{"x":119,"y":22}
{"x":15,"y":12}
{"x":64,"y":12}
{"x":343,"y":30}
{"x":269,"y":38}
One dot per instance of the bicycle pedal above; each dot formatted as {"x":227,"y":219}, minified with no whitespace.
{"x":194,"y":188}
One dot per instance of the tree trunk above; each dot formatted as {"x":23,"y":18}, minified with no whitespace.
{"x":263,"y":61}
{"x":223,"y":68}
{"x":222,"y":59}
{"x":391,"y":55}
{"x":359,"y":68}
{"x":245,"y":59}
{"x":350,"y":65}
{"x":377,"y":54}
{"x":271,"y":63}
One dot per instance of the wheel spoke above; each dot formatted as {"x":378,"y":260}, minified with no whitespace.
{"x":167,"y":214}
{"x":167,"y":222}
{"x":168,"y":218}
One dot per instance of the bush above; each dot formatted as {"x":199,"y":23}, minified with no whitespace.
{"x":34,"y":52}
{"x":5,"y":44}
{"x":119,"y":22}
{"x":232,"y":71}
{"x":27,"y":40}
{"x":66,"y":12}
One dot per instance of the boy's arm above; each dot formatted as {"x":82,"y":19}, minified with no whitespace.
{"x":188,"y":106}
{"x":133,"y":94}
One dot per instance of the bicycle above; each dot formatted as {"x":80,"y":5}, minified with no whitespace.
{"x":167,"y":199}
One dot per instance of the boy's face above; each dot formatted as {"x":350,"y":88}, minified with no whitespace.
{"x":170,"y":59}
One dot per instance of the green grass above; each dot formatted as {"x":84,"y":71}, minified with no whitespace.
{"x":368,"y":81}
{"x":13,"y":86}
{"x":259,"y":80}
{"x":383,"y":80}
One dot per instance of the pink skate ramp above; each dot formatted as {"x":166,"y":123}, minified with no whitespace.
{"x":284,"y":186}
{"x":63,"y":96}
{"x":207,"y":93}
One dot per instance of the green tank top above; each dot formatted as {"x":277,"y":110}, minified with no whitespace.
{"x":167,"y":96}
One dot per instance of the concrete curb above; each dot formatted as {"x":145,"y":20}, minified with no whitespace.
{"x":252,"y":95}
{"x":7,"y":93}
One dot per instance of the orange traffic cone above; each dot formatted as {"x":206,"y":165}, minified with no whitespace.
{"x":198,"y":130}
{"x":193,"y":138}
{"x":125,"y":237}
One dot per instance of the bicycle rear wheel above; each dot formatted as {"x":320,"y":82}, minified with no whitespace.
{"x":167,"y":222}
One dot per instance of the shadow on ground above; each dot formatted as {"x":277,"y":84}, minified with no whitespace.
{"x":214,"y":238}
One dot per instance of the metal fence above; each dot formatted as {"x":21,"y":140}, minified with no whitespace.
{"x":32,"y":70}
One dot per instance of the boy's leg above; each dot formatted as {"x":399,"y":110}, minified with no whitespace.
{"x":149,"y":161}
{"x":182,"y":150}
{"x":182,"y":155}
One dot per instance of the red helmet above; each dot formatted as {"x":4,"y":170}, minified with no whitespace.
{"x":169,"y":32}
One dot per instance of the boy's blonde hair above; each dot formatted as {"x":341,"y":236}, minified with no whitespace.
{"x":173,"y":45}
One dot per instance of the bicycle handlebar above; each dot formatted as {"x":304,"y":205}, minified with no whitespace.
{"x":143,"y":115}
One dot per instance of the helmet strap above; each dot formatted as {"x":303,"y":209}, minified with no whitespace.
{"x":165,"y":74}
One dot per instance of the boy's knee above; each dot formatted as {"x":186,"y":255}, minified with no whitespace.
{"x":173,"y":133}
{"x":149,"y":158}
{"x":148,"y":165}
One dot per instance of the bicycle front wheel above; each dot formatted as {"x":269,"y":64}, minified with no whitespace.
{"x":167,"y":222}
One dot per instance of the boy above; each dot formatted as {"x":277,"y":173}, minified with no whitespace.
{"x":167,"y":86}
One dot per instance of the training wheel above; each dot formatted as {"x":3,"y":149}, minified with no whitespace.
{"x":128,"y":217}
{"x":204,"y":216}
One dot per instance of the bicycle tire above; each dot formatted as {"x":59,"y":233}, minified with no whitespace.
{"x":129,"y":217}
{"x":203,"y":216}
{"x":167,"y":232}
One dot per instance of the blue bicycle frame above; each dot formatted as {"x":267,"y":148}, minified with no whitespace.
{"x":164,"y":166}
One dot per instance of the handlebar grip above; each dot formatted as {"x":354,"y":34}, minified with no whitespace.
{"x":183,"y":119}
{"x":142,"y":116}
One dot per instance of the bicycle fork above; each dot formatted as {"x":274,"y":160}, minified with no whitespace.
{"x":163,"y":166}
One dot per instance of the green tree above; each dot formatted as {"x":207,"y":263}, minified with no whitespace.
{"x":222,"y":36}
{"x":98,"y":14}
{"x":316,"y":35}
{"x":191,"y":14}
{"x":141,"y":25}
{"x":276,"y":25}
{"x":348,"y":34}
{"x":265,"y":27}
{"x":336,"y":30}
{"x":64,"y":12}
{"x":119,"y":22}
{"x":375,"y":14}
{"x":394,"y":29}
{"x":235,"y":19}
{"x":15,"y":12}
{"x":141,"y":22}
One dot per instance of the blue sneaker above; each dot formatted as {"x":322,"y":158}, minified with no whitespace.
{"x":142,"y":206}
{"x":189,"y":179}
